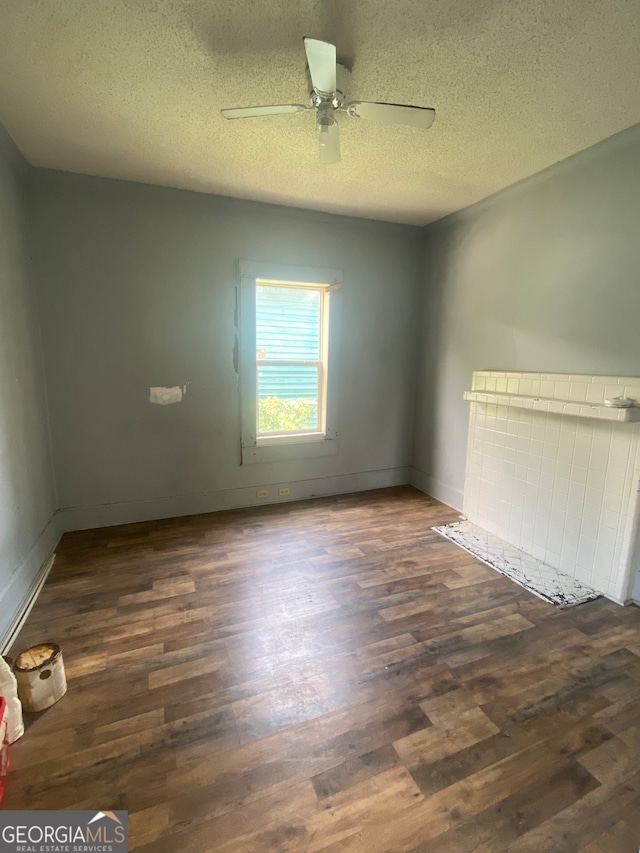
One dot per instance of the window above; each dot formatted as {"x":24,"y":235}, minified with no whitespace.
{"x":291,"y":346}
{"x":287,"y":333}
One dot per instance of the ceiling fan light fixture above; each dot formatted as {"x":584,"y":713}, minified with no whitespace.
{"x":325,"y":124}
{"x":328,"y":136}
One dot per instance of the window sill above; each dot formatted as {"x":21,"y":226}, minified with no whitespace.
{"x":291,"y":438}
{"x":281,"y":451}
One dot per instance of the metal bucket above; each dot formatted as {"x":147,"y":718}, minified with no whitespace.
{"x":40,"y":675}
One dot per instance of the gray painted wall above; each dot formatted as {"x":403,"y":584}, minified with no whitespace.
{"x":137,"y":289}
{"x":27,"y":495}
{"x":544,"y":276}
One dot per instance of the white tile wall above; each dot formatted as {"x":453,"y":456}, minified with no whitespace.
{"x":560,"y":487}
{"x":567,"y":387}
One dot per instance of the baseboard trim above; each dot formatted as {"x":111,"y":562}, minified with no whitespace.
{"x":108,"y":515}
{"x":25,"y":584}
{"x":438,"y":490}
{"x":625,"y":602}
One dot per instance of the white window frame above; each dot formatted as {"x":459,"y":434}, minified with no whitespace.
{"x":320,"y":364}
{"x":273,"y":448}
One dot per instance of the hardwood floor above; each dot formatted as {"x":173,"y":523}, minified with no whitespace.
{"x":330,"y":676}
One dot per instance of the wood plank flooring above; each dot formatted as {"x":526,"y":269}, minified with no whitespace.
{"x":330,"y":676}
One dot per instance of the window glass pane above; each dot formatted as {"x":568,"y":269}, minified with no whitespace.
{"x":287,"y":398}
{"x":287,"y":323}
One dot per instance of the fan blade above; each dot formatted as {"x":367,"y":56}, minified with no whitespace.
{"x":321,"y":58}
{"x":329,"y":143}
{"x":251,"y":112}
{"x":421,"y":117}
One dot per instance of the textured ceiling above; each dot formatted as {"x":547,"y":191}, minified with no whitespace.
{"x":132,"y":89}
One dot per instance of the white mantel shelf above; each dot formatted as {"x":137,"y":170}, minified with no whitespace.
{"x":561,"y":407}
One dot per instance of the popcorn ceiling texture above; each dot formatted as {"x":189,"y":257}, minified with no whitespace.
{"x":132,"y":90}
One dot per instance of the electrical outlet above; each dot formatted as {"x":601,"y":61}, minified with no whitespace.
{"x":284,"y":492}
{"x":262,"y":493}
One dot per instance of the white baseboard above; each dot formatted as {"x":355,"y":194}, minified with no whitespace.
{"x":19,"y":595}
{"x":438,"y":490}
{"x":107,"y":515}
{"x":625,"y":602}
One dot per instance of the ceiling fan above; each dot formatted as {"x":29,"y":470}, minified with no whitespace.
{"x":328,"y":82}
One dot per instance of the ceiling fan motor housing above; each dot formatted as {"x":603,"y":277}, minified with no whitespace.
{"x":335,"y":99}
